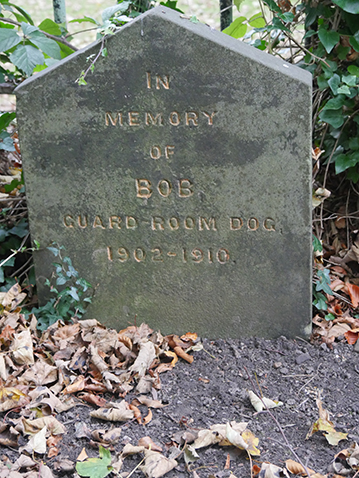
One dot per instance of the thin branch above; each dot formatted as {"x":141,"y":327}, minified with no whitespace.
{"x":80,"y":31}
{"x":279,"y":427}
{"x":290,"y":37}
{"x":48,"y":35}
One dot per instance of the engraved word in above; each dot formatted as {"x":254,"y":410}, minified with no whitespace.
{"x":158,"y":81}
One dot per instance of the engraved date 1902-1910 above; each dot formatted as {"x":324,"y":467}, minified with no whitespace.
{"x":157,"y":254}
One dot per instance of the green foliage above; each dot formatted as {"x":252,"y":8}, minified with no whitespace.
{"x":96,"y":467}
{"x":322,"y":284}
{"x":69,"y":291}
{"x":13,"y":241}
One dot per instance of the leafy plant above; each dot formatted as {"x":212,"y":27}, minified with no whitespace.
{"x":70,"y":299}
{"x":96,"y":467}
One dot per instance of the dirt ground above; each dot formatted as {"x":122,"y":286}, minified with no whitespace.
{"x":213,"y":390}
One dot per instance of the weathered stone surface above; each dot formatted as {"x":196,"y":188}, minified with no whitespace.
{"x":178,"y":179}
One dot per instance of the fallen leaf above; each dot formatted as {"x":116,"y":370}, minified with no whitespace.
{"x":37,"y":442}
{"x":8,"y":436}
{"x":351,"y":337}
{"x":33,"y":426}
{"x":118,"y":413}
{"x":148,"y":443}
{"x":41,"y":373}
{"x":106,"y":437}
{"x":190,"y":454}
{"x":235,"y":438}
{"x":145,"y":357}
{"x":297,"y":469}
{"x":93,"y":399}
{"x":157,"y":465}
{"x":268,"y":470}
{"x":129,"y":449}
{"x":22,"y":350}
{"x":11,"y":397}
{"x":96,"y":467}
{"x":147,"y":418}
{"x":325,"y":425}
{"x":353,"y":291}
{"x":252,"y":442}
{"x":260,"y":404}
{"x":149,"y":402}
{"x":82,"y":456}
{"x":13,"y":297}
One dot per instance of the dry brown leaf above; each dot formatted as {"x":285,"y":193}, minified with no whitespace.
{"x":145,"y":357}
{"x":149,"y":402}
{"x":23,"y":461}
{"x":77,"y":386}
{"x":148,"y":443}
{"x":351,"y":337}
{"x":31,"y":427}
{"x":207,"y":438}
{"x":156,"y":465}
{"x":117,"y":413}
{"x":93,"y":399}
{"x":353,"y":291}
{"x":13,"y":297}
{"x":97,"y":360}
{"x":125,"y":340}
{"x":82,"y":456}
{"x":297,"y":469}
{"x":37,"y":442}
{"x":268,"y":470}
{"x":147,"y":418}
{"x":41,"y":373}
{"x":8,"y":436}
{"x":22,"y":350}
{"x":171,"y":355}
{"x":137,"y":413}
{"x":11,"y":397}
{"x":45,"y":471}
{"x":129,"y":449}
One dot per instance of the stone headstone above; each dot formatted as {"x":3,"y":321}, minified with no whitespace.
{"x":178,"y":179}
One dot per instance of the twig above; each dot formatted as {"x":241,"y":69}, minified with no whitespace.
{"x":15,"y":252}
{"x":83,"y":76}
{"x":290,"y":37}
{"x":48,"y":35}
{"x":279,"y":427}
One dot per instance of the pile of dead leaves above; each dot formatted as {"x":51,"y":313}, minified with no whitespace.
{"x":69,"y":364}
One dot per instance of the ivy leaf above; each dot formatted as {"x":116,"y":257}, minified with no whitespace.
{"x":8,"y":38}
{"x":350,"y":6}
{"x":334,"y":83}
{"x":334,"y":117}
{"x":328,"y":38}
{"x":236,"y":29}
{"x":26,"y":58}
{"x":48,"y":46}
{"x":335,"y":103}
{"x":96,"y":467}
{"x":345,"y":161}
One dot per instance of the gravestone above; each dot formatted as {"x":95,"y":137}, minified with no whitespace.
{"x":178,"y":179}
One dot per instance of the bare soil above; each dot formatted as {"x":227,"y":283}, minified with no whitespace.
{"x":213,"y":389}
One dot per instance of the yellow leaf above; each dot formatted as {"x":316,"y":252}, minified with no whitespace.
{"x":252,"y":442}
